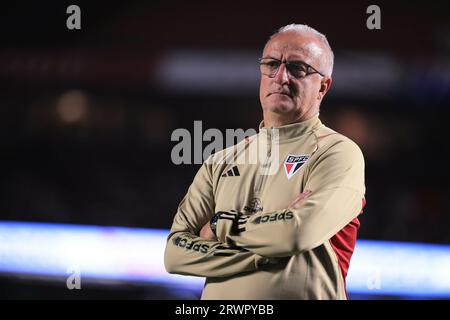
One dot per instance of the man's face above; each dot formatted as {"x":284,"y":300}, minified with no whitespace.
{"x":285,"y":94}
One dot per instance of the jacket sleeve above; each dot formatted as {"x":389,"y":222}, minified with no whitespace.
{"x":336,"y":179}
{"x":188,"y":254}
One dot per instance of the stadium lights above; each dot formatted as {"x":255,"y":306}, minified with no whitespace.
{"x":136,"y":255}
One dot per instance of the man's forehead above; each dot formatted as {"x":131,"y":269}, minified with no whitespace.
{"x":294,"y":45}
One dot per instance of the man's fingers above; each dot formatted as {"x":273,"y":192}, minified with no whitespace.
{"x":207,"y":233}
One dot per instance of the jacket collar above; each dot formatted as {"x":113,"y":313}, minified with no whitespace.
{"x":290,"y":131}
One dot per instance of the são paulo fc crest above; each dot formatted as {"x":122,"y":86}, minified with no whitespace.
{"x":293,"y":163}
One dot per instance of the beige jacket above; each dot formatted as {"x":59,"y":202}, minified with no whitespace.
{"x":266,"y":250}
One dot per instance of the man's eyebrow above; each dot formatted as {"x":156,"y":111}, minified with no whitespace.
{"x":294,"y":58}
{"x":297,"y":60}
{"x":270,"y":57}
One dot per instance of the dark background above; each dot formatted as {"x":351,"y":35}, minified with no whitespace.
{"x":86,"y":115}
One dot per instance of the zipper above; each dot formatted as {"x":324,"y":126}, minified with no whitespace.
{"x":262,"y":176}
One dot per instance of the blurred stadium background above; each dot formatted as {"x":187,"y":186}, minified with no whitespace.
{"x":86,"y":118}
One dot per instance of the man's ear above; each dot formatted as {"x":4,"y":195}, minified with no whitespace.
{"x":324,"y":87}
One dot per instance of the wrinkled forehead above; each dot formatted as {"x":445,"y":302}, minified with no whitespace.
{"x":292,"y":46}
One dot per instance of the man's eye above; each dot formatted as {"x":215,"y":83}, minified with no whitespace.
{"x":298,"y":70}
{"x":273,"y":64}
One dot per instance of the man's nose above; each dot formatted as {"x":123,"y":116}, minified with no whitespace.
{"x":282,"y":76}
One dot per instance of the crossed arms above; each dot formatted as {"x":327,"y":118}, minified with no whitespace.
{"x":336,"y":182}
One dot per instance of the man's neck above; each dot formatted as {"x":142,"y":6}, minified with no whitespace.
{"x":275,"y":120}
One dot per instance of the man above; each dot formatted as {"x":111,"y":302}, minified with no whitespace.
{"x":288,"y":234}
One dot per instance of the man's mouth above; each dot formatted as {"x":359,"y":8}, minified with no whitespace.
{"x":281,"y":93}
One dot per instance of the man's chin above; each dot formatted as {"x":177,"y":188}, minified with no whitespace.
{"x":279,"y":103}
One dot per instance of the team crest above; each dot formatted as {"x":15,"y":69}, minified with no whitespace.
{"x":293,"y":163}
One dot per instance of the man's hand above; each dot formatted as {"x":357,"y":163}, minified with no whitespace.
{"x":207,"y":233}
{"x":298,"y":201}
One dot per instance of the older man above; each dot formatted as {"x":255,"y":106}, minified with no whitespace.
{"x":289,"y":234}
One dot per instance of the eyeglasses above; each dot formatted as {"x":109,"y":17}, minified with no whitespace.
{"x":298,"y":69}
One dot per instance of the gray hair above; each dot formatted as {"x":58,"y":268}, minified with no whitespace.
{"x":328,"y":62}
